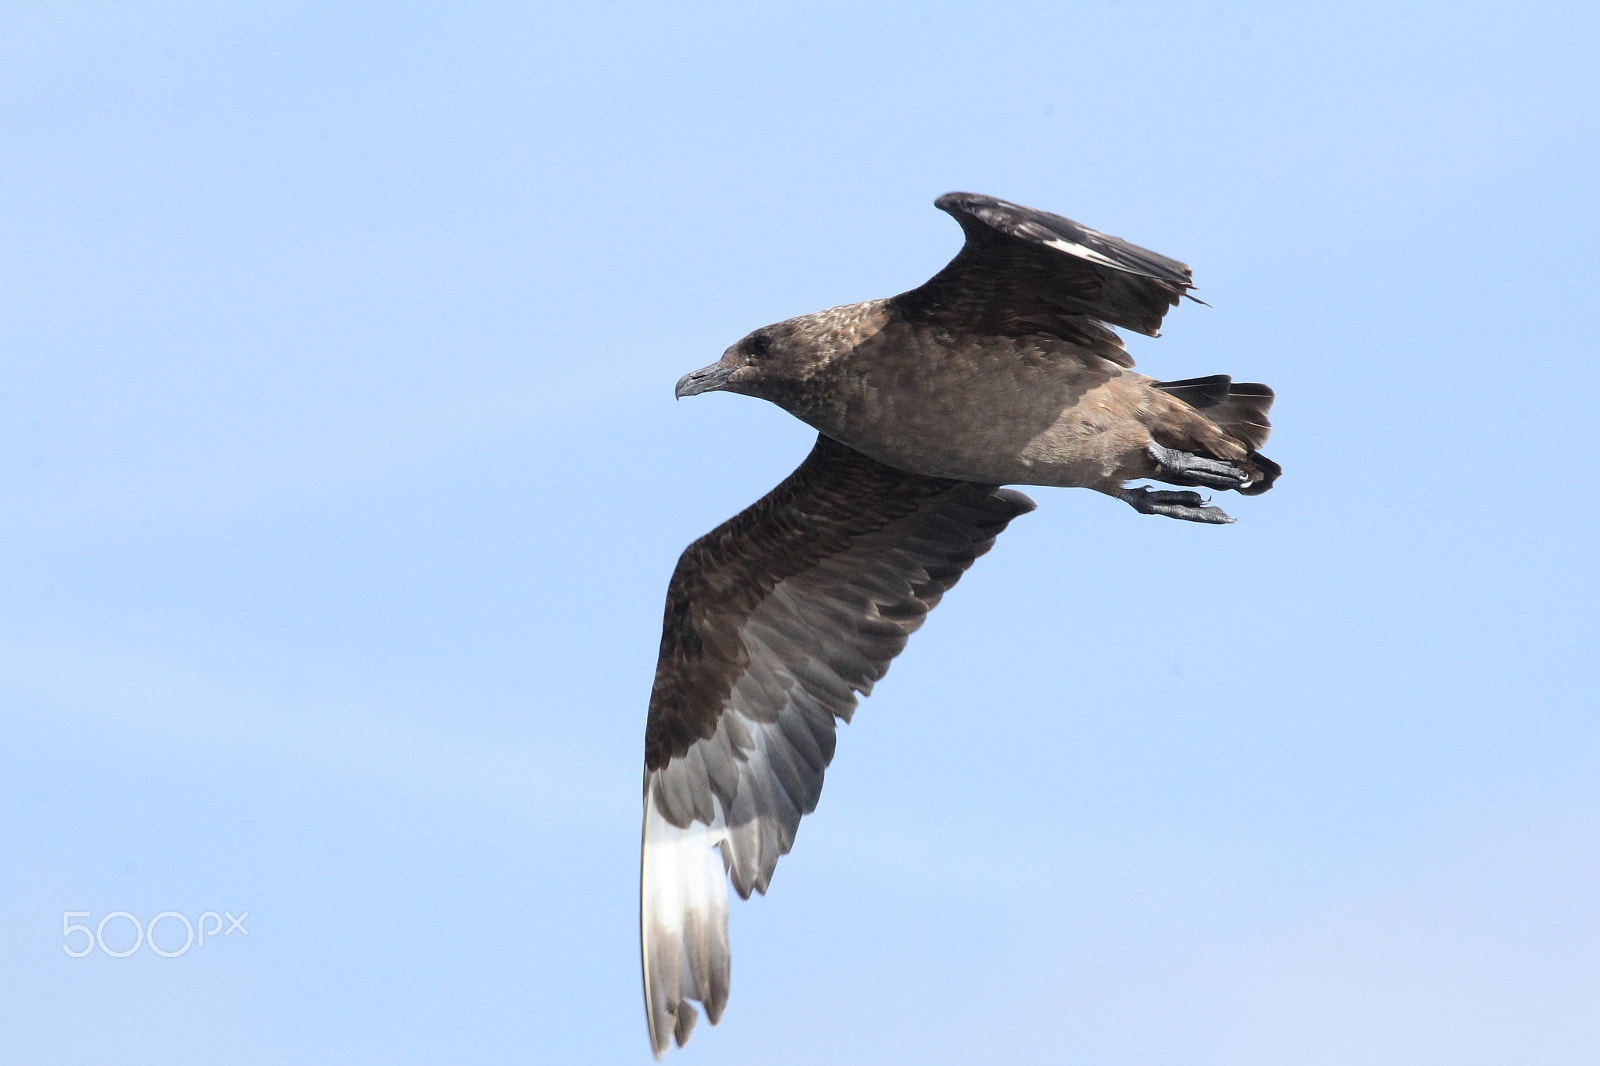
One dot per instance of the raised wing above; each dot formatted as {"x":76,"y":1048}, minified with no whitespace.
{"x":774,"y":622}
{"x":1024,"y":271}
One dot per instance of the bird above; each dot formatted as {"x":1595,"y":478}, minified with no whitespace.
{"x":1003,"y":368}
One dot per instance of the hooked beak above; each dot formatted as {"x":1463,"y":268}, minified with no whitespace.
{"x":706,"y":379}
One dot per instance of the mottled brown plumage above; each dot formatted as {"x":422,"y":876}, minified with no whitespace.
{"x":1001,"y":369}
{"x":824,"y":509}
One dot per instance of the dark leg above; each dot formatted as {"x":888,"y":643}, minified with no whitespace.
{"x":1185,"y":468}
{"x":1189,"y":506}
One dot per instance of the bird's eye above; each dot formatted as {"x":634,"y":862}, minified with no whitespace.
{"x":760,"y":345}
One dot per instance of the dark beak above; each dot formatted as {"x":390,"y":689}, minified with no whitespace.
{"x":706,"y":379}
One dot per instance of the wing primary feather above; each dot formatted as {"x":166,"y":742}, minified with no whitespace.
{"x":683,"y":927}
{"x":1027,"y":271}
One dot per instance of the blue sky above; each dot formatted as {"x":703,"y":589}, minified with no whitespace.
{"x":342,"y":481}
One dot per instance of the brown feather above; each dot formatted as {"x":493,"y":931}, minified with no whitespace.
{"x":834,"y":497}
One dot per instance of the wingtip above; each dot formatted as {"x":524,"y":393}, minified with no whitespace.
{"x":687,"y":1017}
{"x":683,"y":922}
{"x":1021,"y":503}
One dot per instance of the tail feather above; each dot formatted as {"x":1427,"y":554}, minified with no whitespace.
{"x":1199,"y":393}
{"x":683,"y":922}
{"x":1239,"y":409}
{"x":1244,"y":413}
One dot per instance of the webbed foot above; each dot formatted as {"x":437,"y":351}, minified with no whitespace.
{"x":1186,"y":468}
{"x":1189,"y":506}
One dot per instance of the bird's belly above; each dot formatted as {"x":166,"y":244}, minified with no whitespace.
{"x":1065,"y":460}
{"x":999,"y":410}
{"x":1089,"y":444}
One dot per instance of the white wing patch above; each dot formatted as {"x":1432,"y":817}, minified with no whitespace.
{"x":1085,"y":252}
{"x":683,"y":928}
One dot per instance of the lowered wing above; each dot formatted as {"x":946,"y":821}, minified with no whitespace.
{"x":775,"y":621}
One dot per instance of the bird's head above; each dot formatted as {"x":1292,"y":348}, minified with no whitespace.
{"x":789,"y":362}
{"x":759,"y":365}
